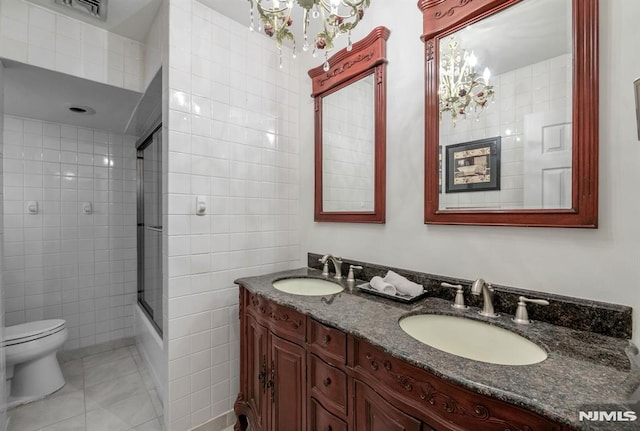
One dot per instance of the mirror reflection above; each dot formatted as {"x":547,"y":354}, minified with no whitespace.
{"x":348,"y":143}
{"x":505,"y":102}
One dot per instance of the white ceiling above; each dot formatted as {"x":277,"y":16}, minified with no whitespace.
{"x":523,"y":34}
{"x":46,"y":95}
{"x":237,"y":10}
{"x":128,"y":18}
{"x":526,"y":33}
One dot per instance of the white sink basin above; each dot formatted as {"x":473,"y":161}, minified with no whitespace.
{"x":472,"y":339}
{"x":307,"y":286}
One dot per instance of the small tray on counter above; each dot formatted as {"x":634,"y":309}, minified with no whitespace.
{"x":399,"y":297}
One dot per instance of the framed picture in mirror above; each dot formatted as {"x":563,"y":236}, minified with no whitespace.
{"x":473,"y":166}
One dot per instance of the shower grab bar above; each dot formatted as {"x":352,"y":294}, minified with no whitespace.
{"x":154,"y":228}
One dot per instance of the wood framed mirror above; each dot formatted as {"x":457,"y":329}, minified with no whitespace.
{"x":636,"y":85}
{"x":350,"y":133}
{"x":526,"y":72}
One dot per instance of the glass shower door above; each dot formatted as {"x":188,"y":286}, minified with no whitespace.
{"x":150,"y":227}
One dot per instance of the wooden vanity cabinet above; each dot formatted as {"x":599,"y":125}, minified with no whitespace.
{"x":273,"y":367}
{"x":298,"y":374}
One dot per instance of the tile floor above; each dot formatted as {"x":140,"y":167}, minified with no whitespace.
{"x":110,"y":391}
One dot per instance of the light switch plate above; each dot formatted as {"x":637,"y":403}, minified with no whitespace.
{"x":32,"y":207}
{"x":201,"y":205}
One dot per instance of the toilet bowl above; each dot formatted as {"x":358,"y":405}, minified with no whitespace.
{"x":32,"y":366}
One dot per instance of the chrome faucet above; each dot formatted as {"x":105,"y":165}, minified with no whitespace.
{"x":481,"y":286}
{"x":337,"y":264}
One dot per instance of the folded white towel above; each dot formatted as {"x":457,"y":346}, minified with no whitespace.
{"x":381,"y":286}
{"x":403,"y":285}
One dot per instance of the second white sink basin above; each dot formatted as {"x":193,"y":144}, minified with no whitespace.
{"x":307,"y":286}
{"x":472,"y":339}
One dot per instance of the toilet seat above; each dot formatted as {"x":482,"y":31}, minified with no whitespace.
{"x":25,"y":332}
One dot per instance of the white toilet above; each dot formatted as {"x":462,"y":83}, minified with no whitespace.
{"x":32,"y":367}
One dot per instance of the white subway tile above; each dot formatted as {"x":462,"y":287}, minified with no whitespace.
{"x":13,"y":49}
{"x":14,"y":29}
{"x":179,"y":122}
{"x":41,"y":57}
{"x":200,"y":400}
{"x":69,"y":64}
{"x":16,"y":9}
{"x":41,"y":38}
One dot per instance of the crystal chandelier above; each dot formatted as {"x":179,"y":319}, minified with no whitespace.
{"x":338,"y":17}
{"x":461,"y":88}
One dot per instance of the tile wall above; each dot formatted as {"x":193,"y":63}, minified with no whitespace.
{"x":232,"y":138}
{"x":540,"y":87}
{"x":154,"y":46}
{"x":41,"y":37}
{"x":61,"y":263}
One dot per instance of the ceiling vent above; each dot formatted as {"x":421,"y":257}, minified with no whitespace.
{"x":95,"y":8}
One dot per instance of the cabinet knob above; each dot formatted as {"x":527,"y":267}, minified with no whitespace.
{"x":326,"y":382}
{"x":326,"y":339}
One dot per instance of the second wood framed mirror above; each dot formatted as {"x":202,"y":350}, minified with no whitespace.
{"x":350,"y":132}
{"x":523,"y":73}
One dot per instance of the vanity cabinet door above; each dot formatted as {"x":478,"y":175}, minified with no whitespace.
{"x":257,"y":370}
{"x":287,"y":385}
{"x":373,"y":413}
{"x":273,"y":369}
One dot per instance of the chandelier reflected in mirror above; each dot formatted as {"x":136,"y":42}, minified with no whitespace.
{"x":337,"y":17}
{"x":462,"y":89}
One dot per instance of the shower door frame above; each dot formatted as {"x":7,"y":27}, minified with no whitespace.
{"x":141,"y":145}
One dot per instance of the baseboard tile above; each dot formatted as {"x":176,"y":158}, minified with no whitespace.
{"x":219,"y":423}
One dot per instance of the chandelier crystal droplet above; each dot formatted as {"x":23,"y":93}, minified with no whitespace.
{"x":274,"y":17}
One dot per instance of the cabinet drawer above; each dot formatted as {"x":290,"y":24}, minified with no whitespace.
{"x":328,"y":343}
{"x":373,"y":413}
{"x":328,"y":384}
{"x":282,"y":321}
{"x":435,"y":401}
{"x":322,"y":420}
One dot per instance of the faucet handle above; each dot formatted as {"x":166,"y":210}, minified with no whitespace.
{"x":325,"y":268}
{"x":522,"y":316}
{"x":459,"y":301}
{"x":350,"y":276}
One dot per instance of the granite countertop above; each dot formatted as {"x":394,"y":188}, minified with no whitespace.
{"x":582,"y":368}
